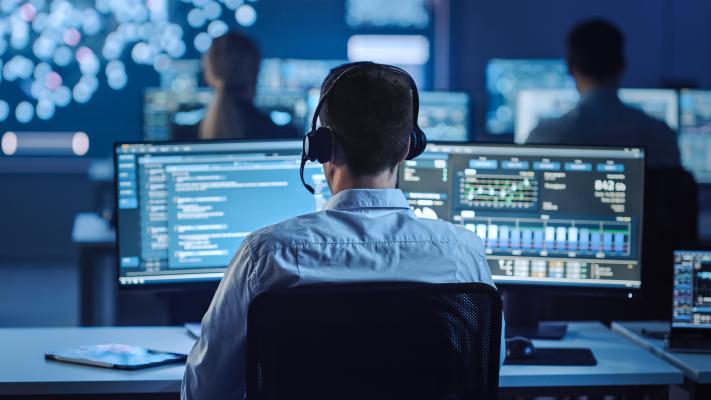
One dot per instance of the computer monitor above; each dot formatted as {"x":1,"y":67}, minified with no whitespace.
{"x":506,"y":77}
{"x":661,"y":104}
{"x":695,"y":133}
{"x":184,"y":208}
{"x":295,"y":74}
{"x":445,"y":116}
{"x":170,"y":115}
{"x":534,"y":106}
{"x":166,"y":112}
{"x":548,"y":216}
{"x":692,"y":289}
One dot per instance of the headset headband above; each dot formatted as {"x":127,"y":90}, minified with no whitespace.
{"x":418,"y":140}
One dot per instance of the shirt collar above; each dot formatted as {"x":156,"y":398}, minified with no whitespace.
{"x":367,"y":198}
{"x":602,"y":95}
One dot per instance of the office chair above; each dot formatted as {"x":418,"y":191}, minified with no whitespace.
{"x":375,"y":341}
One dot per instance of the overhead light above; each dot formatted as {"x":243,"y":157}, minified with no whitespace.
{"x":389,"y":49}
{"x":9,"y":143}
{"x":44,"y":143}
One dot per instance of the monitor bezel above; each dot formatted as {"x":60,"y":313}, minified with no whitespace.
{"x":679,"y":332}
{"x":628,"y":292}
{"x":172,"y":285}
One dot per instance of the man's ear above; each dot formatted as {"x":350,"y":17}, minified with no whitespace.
{"x":571,"y":69}
{"x":338,"y":157}
{"x":403,"y":156}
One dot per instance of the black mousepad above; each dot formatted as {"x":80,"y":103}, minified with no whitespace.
{"x":551,"y":356}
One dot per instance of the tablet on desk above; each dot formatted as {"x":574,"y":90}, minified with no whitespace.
{"x":118,"y":356}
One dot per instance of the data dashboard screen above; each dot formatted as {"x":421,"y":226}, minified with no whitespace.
{"x":184,"y":208}
{"x":534,"y":106}
{"x":692,"y":289}
{"x":505,"y":78}
{"x":695,"y":133}
{"x":546,"y":215}
{"x":170,"y":115}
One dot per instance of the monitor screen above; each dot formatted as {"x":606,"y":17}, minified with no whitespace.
{"x":534,"y":106}
{"x":661,"y":104}
{"x":166,"y":112}
{"x":695,"y":133}
{"x":295,"y":74}
{"x":170,"y":115}
{"x":184,"y":208}
{"x":546,"y":215}
{"x":505,"y":78}
{"x":692,"y":289}
{"x":445,"y":116}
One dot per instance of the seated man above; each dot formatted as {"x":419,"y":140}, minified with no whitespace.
{"x":365,"y":232}
{"x":596,"y":60}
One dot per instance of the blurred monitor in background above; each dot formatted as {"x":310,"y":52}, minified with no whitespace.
{"x":534,"y":106}
{"x":231,"y":68}
{"x":506,"y":78}
{"x":695,"y":133}
{"x":445,"y":116}
{"x":176,"y":115}
{"x":596,"y":60}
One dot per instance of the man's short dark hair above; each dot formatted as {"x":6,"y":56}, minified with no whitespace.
{"x":596,"y":49}
{"x":370,"y":110}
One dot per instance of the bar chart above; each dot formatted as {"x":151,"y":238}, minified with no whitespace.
{"x":552,"y":236}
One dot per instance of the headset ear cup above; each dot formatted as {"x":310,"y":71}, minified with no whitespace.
{"x":306,"y":152}
{"x":318,"y":145}
{"x":418,"y":143}
{"x":323,"y":144}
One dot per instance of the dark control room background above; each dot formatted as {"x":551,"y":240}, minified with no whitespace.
{"x":76,"y":76}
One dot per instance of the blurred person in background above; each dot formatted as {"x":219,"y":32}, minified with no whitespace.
{"x":231,"y":67}
{"x":597,"y":61}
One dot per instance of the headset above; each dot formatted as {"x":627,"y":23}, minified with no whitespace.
{"x":318,"y":143}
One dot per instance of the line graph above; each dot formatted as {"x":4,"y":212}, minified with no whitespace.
{"x":498,"y":191}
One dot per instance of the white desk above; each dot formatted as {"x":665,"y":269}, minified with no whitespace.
{"x":695,"y":366}
{"x":24,"y":370}
{"x":620,"y":363}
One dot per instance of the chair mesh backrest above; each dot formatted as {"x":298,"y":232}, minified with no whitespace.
{"x":369,"y":341}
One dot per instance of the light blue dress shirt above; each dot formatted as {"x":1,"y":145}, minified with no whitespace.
{"x":360,"y":235}
{"x":602,"y":119}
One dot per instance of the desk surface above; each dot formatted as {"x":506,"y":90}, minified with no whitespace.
{"x":696,"y":366}
{"x":619,"y":363}
{"x":25,"y":371}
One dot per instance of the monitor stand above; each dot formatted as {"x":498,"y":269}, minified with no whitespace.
{"x":522,"y":307}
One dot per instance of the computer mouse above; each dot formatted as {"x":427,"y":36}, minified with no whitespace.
{"x":519,"y":348}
